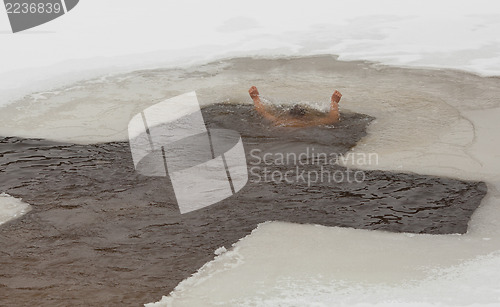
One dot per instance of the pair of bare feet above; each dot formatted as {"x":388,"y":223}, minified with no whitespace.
{"x":329,"y":118}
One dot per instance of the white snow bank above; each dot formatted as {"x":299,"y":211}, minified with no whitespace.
{"x":11,"y":208}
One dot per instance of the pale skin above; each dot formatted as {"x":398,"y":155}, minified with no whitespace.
{"x":291,"y":121}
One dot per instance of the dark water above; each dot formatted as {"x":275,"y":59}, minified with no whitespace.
{"x":100,"y":234}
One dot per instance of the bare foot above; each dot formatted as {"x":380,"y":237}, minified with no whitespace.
{"x":253,"y":92}
{"x":336,"y":96}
